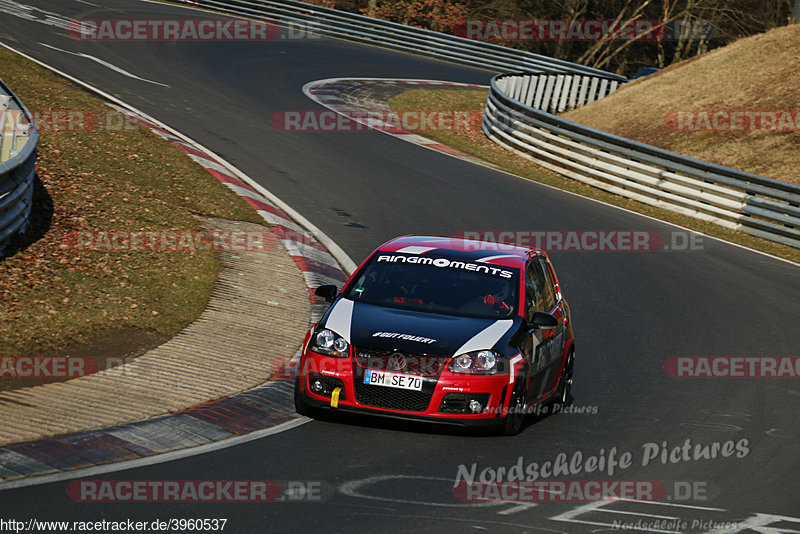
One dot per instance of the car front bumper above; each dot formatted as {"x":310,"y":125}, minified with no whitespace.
{"x":444,"y":398}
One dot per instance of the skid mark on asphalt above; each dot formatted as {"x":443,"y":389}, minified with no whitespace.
{"x":105,"y":64}
{"x":34,"y":14}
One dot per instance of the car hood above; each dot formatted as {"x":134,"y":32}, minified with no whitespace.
{"x":412,"y":332}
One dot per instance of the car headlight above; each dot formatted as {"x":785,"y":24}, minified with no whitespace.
{"x":481,"y":362}
{"x":330,"y":343}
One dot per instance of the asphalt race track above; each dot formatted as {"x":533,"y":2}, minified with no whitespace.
{"x":632,"y":310}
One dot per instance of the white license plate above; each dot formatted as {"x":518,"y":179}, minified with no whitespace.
{"x":392,"y":380}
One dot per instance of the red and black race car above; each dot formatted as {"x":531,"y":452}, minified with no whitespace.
{"x":442,"y":329}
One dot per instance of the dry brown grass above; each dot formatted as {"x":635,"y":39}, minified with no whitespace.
{"x":53,"y":296}
{"x":474,"y":142}
{"x":759,"y":73}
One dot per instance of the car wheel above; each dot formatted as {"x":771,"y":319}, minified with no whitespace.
{"x":300,"y":404}
{"x":515,"y":418}
{"x":565,"y":384}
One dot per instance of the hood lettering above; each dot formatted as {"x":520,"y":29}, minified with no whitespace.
{"x":405,"y":337}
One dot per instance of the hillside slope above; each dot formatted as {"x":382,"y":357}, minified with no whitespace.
{"x":737,"y":106}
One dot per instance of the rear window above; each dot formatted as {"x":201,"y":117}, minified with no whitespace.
{"x":437,"y":284}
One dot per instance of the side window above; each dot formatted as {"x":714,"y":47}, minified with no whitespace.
{"x":549,"y":288}
{"x":533,"y":291}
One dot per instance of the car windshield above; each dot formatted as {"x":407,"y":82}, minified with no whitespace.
{"x":437,"y":284}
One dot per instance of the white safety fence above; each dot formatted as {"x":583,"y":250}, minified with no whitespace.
{"x":556,"y":93}
{"x":734,"y":199}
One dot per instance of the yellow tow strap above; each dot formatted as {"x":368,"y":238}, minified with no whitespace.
{"x":335,"y":398}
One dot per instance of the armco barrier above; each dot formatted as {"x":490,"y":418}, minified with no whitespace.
{"x":18,"y":139}
{"x":753,"y":204}
{"x":517,"y":118}
{"x":359,"y":28}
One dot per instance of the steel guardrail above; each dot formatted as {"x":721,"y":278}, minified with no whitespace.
{"x":363,"y":29}
{"x":739,"y":200}
{"x":734,"y":199}
{"x":18,"y":150}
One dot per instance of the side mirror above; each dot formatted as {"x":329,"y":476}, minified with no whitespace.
{"x":328,"y":292}
{"x":544,"y":321}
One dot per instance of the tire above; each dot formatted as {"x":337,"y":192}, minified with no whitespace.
{"x":565,"y":384}
{"x":300,"y":404}
{"x":515,"y":418}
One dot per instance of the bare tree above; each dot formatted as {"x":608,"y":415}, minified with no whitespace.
{"x":687,"y":27}
{"x":573,"y":10}
{"x":600,"y":54}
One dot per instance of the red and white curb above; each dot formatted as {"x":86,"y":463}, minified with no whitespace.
{"x":327,"y":93}
{"x":316,"y":264}
{"x":258,"y":412}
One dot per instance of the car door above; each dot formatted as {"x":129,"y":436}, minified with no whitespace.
{"x":546,"y":345}
{"x":557,"y":337}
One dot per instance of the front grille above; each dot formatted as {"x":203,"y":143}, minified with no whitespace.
{"x":394,"y":398}
{"x":385,"y":360}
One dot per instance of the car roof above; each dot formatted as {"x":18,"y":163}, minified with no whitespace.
{"x":474,"y":250}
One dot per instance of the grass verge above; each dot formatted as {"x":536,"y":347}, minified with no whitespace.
{"x":474,"y":142}
{"x":108,"y":174}
{"x":692,"y":107}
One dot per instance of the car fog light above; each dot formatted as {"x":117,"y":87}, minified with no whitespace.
{"x":475,"y":406}
{"x":317,"y":386}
